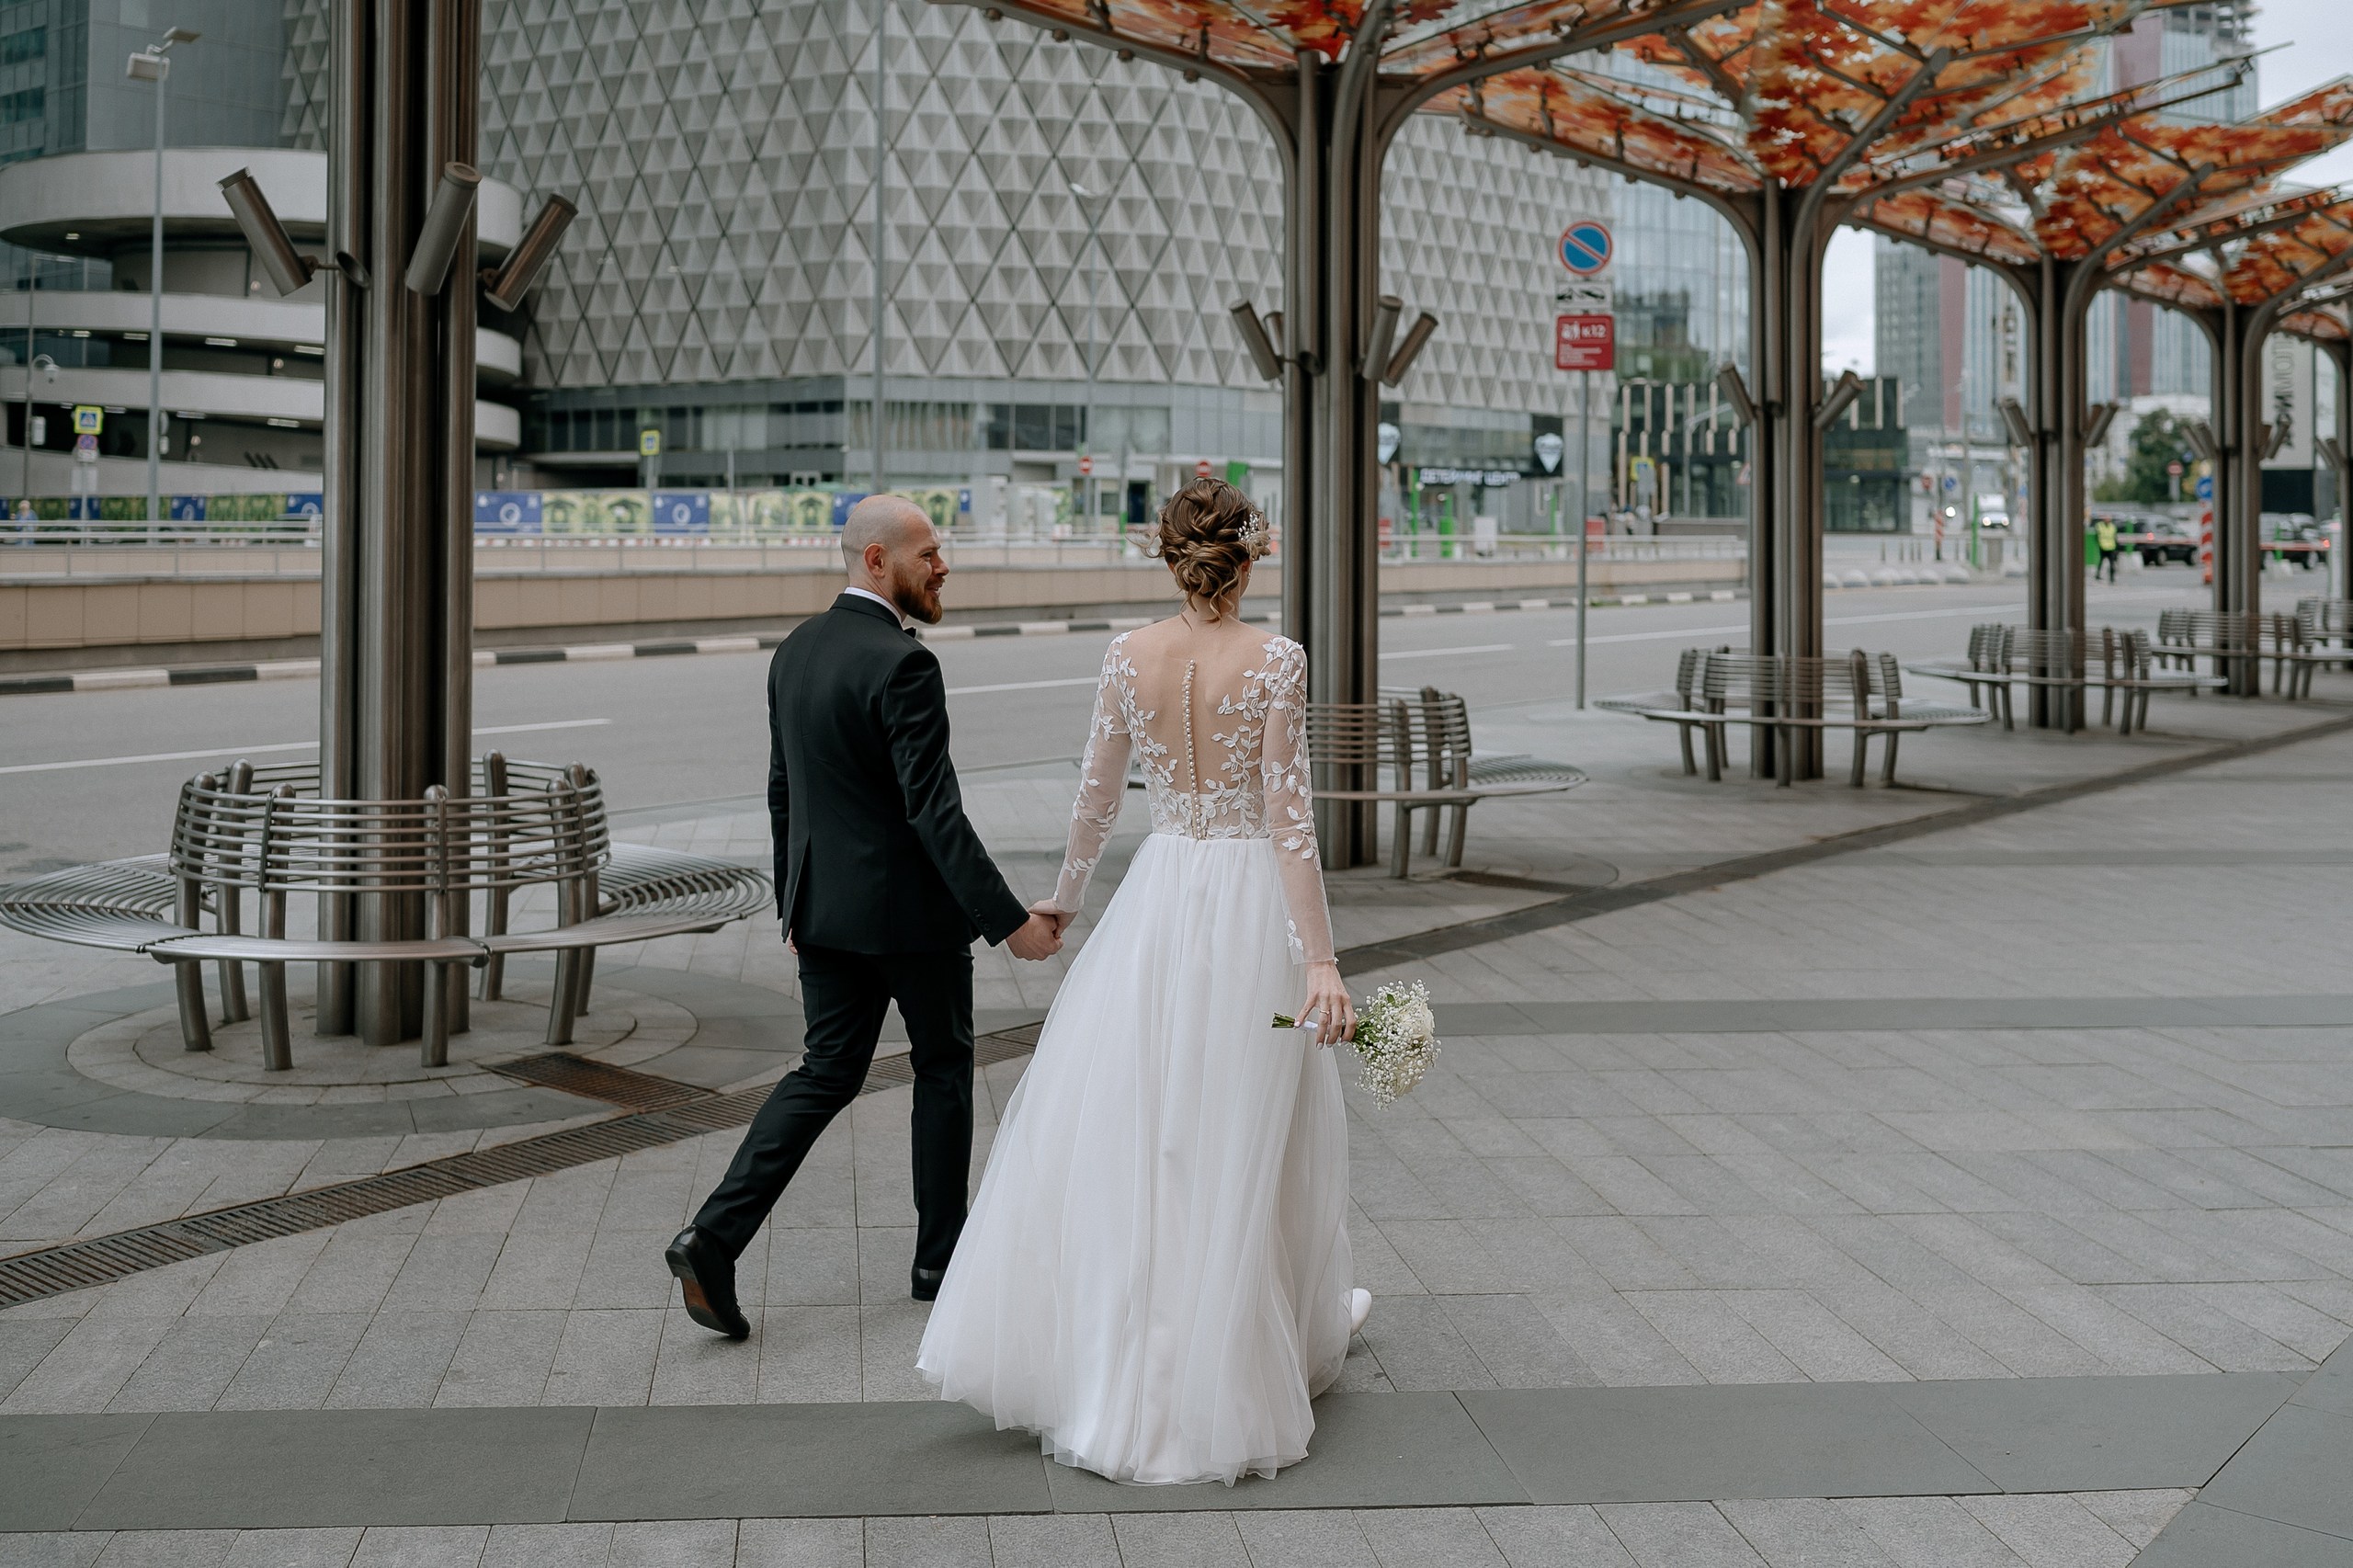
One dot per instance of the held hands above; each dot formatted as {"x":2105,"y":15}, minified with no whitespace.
{"x":1334,"y":1016}
{"x":1037,"y":939}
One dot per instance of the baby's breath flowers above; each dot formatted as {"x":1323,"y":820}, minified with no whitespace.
{"x":1396,"y":1040}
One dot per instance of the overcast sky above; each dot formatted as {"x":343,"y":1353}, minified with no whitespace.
{"x":2318,"y":36}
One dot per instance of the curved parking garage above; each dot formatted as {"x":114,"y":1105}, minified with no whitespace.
{"x":242,"y":385}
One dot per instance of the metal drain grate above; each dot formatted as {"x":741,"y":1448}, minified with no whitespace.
{"x":101,"y":1260}
{"x":596,"y":1080}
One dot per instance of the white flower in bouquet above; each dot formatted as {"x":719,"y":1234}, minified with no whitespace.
{"x":1395,"y":1040}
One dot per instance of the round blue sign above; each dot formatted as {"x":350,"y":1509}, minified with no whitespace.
{"x":1585,"y":246}
{"x":2206,"y":488}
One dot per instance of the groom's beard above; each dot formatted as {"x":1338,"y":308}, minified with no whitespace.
{"x":917,"y":598}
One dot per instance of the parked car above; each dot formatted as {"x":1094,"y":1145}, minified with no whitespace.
{"x":2159,"y":539}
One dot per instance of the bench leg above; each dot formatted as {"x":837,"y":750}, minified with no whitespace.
{"x":1855,"y":773}
{"x":585,"y":983}
{"x":2108,"y":705}
{"x":1683,"y":733}
{"x":1400,"y":852}
{"x":1455,"y":840}
{"x":563,"y":1006}
{"x":195,"y":1028}
{"x":433,"y":1049}
{"x":1713,"y":738}
{"x":1785,"y":762}
{"x":1429,"y":833}
{"x":493,"y":973}
{"x":1887,"y":759}
{"x":276,"y":1033}
{"x":233,"y":1009}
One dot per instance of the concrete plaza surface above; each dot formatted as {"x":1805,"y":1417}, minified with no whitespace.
{"x":1957,"y":1173}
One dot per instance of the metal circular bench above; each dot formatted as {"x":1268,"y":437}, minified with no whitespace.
{"x":265,"y":831}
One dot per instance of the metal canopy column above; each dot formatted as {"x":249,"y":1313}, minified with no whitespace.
{"x":397,"y":659}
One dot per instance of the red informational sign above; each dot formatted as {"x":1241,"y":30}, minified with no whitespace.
{"x":1201,"y":468}
{"x":1585,"y":343}
{"x":1085,"y":467}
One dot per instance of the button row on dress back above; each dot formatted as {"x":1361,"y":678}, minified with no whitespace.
{"x":1192,"y":763}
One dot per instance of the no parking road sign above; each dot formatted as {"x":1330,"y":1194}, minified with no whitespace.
{"x":1585,"y":246}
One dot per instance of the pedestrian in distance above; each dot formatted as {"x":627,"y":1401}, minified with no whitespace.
{"x":881,"y":885}
{"x":2104,"y":535}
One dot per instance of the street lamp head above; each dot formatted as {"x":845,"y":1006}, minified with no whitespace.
{"x":149,"y":65}
{"x":179,"y":35}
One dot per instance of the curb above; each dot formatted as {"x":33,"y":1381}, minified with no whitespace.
{"x":306,"y":669}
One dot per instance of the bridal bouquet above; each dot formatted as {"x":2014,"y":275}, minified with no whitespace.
{"x":1396,"y":1040}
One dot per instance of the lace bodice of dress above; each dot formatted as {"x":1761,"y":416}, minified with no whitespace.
{"x":1222,"y":743}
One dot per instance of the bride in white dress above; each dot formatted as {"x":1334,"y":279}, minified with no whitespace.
{"x":1156,"y":1277}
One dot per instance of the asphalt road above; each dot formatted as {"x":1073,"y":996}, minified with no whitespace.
{"x":93,"y":775}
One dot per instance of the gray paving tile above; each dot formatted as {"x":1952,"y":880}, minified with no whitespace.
{"x":799,"y":1543}
{"x":1430,"y":1537}
{"x":164,"y":1549}
{"x":546,"y":1546}
{"x":673,"y":1543}
{"x":2052,"y":1531}
{"x":1758,"y":1441}
{"x":2097,"y":1434}
{"x":2135,"y":1516}
{"x":50,"y":1549}
{"x":53,"y":1465}
{"x":1570,"y":1537}
{"x":1370,"y":1450}
{"x":319,"y":1469}
{"x":1305,"y":1539}
{"x":764,"y":1460}
{"x":422,"y":1546}
{"x":1809,"y":1530}
{"x":294,"y":1549}
{"x":2297,"y":1471}
{"x":2203,"y":1536}
{"x":927,"y":1543}
{"x":1180,"y":1541}
{"x":1058,"y":1541}
{"x":1677,"y":1535}
{"x":2331,"y":1387}
{"x":1928,"y":1532}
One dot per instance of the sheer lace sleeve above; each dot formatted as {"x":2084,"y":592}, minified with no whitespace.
{"x":1290,"y":814}
{"x":1102,"y":780}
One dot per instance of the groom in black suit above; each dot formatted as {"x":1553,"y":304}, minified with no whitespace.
{"x":882,"y":884}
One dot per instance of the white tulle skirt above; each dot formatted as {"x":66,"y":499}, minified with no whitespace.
{"x":1155,"y":1276}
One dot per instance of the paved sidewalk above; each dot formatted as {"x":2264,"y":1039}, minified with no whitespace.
{"x":2063,"y":1093}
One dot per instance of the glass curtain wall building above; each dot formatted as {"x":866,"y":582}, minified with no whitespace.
{"x":1047,"y":211}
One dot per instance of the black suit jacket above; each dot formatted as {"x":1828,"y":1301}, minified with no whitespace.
{"x":873,"y":854}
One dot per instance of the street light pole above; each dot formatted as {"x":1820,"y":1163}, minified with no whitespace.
{"x":1093,"y":281}
{"x":152,"y":65}
{"x":32,"y":269}
{"x":881,"y":231}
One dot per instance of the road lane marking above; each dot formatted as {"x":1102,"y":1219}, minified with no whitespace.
{"x":1826,"y":621}
{"x":276,"y":746}
{"x":1022,"y":686}
{"x":1441,"y":653}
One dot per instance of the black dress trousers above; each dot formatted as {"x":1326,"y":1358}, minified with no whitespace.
{"x":843,"y":997}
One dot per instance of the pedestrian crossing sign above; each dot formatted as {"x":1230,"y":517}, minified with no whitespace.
{"x":89,"y":420}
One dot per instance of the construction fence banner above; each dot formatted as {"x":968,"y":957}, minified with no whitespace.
{"x":758,"y":514}
{"x":276,"y":506}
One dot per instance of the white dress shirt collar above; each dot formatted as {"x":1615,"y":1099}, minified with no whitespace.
{"x":870,"y":594}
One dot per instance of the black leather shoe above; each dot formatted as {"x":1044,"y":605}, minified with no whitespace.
{"x":708,"y":1278}
{"x":923,"y":1284}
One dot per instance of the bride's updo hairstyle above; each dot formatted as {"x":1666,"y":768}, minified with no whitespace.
{"x":1208,"y":534}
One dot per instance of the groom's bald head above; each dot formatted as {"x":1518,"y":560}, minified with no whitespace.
{"x":891,"y":548}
